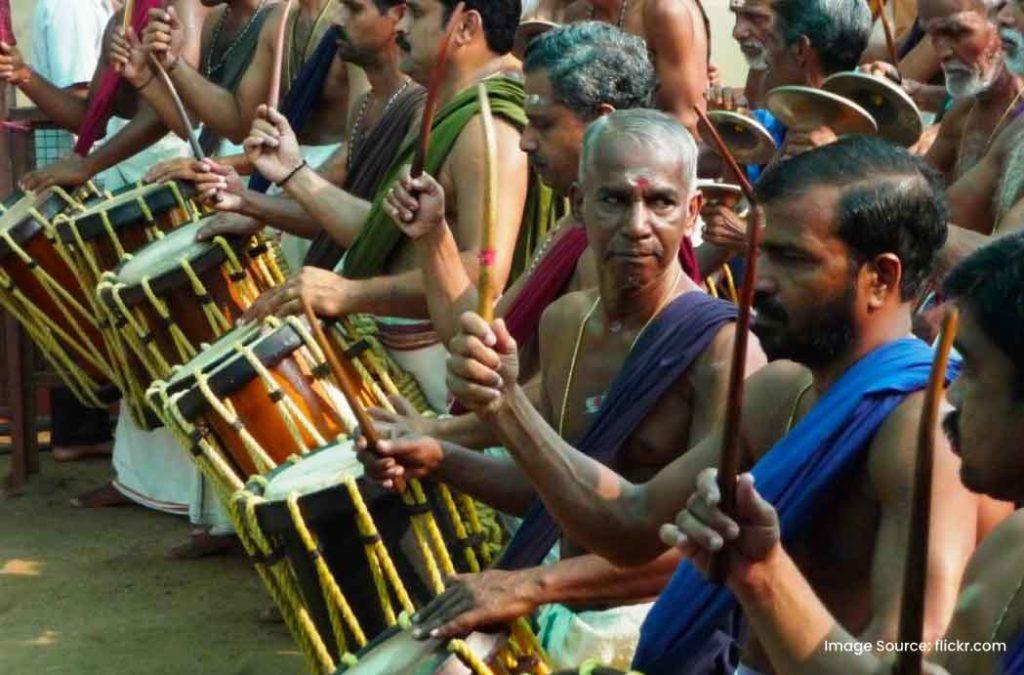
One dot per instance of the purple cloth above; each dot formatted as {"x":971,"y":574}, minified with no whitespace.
{"x":665,"y":351}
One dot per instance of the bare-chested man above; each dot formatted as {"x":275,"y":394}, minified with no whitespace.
{"x":637,"y":199}
{"x":379,"y":273}
{"x":965,"y":34}
{"x":851,"y":231}
{"x":68,"y":111}
{"x":382,"y":122}
{"x":676,"y":32}
{"x":796,"y":628}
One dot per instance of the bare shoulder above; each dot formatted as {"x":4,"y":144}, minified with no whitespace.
{"x":953,"y":122}
{"x":770,"y":400}
{"x":672,"y":17}
{"x":892,"y":452}
{"x":563,"y":314}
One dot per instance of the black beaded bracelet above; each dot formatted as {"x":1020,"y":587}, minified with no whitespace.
{"x":297,"y":169}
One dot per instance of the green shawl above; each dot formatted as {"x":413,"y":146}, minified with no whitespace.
{"x":380,"y":238}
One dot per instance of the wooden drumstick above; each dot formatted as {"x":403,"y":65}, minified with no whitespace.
{"x":419,"y":158}
{"x":729,"y":461}
{"x":274,"y":98}
{"x":193,"y":142}
{"x":126,"y":18}
{"x":915,"y":571}
{"x":890,"y":42}
{"x":486,"y":292}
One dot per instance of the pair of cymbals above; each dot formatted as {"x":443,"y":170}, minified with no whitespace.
{"x":746,"y":138}
{"x":850,"y":103}
{"x":725,"y":194}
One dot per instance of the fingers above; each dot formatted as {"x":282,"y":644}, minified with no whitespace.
{"x":474,"y":362}
{"x":403,"y":406}
{"x":441,"y":610}
{"x":505,"y":343}
{"x":751,"y":506}
{"x":473,"y":324}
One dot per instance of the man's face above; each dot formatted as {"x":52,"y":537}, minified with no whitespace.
{"x":806,"y":291}
{"x":553,"y":135}
{"x":1011,"y":31}
{"x":419,"y":33}
{"x":987,"y":425}
{"x":784,"y":61}
{"x":365,"y":31}
{"x":754,"y":22}
{"x":637,"y":207}
{"x":967,"y":42}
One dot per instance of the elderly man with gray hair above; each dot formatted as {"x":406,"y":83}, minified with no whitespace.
{"x":633,"y":372}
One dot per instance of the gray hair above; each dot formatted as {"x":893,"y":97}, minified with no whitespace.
{"x":591,"y":63}
{"x":647,"y":128}
{"x":837,"y":29}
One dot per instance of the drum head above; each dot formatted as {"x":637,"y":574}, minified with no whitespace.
{"x":897,"y":115}
{"x":396,"y":651}
{"x":161,"y":261}
{"x":319,"y":470}
{"x":746,"y":138}
{"x":19,"y":221}
{"x":802,"y":108}
{"x":526,"y":31}
{"x":124,"y":210}
{"x":227,"y":370}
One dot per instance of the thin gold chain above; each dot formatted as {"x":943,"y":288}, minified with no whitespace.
{"x":579,"y":343}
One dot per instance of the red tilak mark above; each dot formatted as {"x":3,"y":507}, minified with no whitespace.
{"x":640,"y":185}
{"x":487,"y":257}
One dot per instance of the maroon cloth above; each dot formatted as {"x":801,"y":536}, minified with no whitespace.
{"x":6,"y":27}
{"x":688,"y":259}
{"x":95,"y":122}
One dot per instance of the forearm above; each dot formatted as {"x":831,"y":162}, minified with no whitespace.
{"x":710,"y":258}
{"x":159,"y":99}
{"x":468,"y":431}
{"x":141,"y":132}
{"x":341,"y":214}
{"x":496,"y":481}
{"x":591,"y":581}
{"x":792,"y":624}
{"x":281,"y":212}
{"x":215,"y":106}
{"x":61,"y":106}
{"x":448,"y":288}
{"x":594,"y":506}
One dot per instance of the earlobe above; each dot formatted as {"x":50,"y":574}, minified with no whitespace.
{"x":886,"y":278}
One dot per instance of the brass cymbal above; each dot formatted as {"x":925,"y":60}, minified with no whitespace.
{"x":726,"y":194}
{"x":528,"y":30}
{"x":898,"y":117}
{"x":748,"y":140}
{"x":805,"y":108}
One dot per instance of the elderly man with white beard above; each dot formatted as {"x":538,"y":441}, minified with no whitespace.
{"x":986,"y":92}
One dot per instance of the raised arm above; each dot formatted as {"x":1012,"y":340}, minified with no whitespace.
{"x":675,"y":33}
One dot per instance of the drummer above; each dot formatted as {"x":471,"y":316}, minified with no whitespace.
{"x":830,"y":435}
{"x":384,"y":118}
{"x":132,"y":147}
{"x":379,"y":273}
{"x":799,"y":633}
{"x":637,"y":198}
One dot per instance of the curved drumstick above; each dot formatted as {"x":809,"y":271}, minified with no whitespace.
{"x":890,"y":42}
{"x":486,"y":292}
{"x":915,"y":566}
{"x":126,"y":18}
{"x":6,"y":26}
{"x":193,"y":142}
{"x":274,"y":98}
{"x":419,"y":158}
{"x":729,"y":461}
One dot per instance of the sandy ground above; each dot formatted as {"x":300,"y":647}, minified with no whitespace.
{"x":90,"y":591}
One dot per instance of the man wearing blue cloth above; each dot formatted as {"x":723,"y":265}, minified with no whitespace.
{"x":851,"y":232}
{"x":985,"y":635}
{"x":633,"y":371}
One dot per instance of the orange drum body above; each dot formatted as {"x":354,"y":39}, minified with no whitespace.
{"x":176,"y":294}
{"x":40,"y":288}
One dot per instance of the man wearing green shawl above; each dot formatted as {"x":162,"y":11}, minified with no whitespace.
{"x":379,"y":274}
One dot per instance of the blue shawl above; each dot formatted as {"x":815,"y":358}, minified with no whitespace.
{"x":794,"y":476}
{"x":665,"y":351}
{"x":1013,"y":662}
{"x":304,"y":92}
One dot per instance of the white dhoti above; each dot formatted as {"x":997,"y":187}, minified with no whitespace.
{"x":569,"y":638}
{"x":152,"y":468}
{"x":134,"y":168}
{"x":417,"y":349}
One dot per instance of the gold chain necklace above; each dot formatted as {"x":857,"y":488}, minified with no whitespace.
{"x":579,"y":343}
